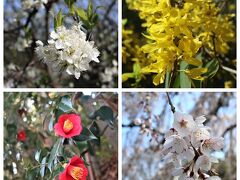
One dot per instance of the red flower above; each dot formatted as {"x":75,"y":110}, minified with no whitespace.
{"x":68,"y":125}
{"x":21,"y":135}
{"x":75,"y":170}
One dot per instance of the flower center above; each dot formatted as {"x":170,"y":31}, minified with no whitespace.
{"x":67,"y":126}
{"x":183,"y":123}
{"x":76,"y":173}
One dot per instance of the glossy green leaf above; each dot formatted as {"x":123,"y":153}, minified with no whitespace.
{"x":54,"y":152}
{"x":37,"y":155}
{"x":50,"y":124}
{"x":105,"y":113}
{"x":43,"y":166}
{"x":185,"y":82}
{"x":82,"y":145}
{"x":65,"y":104}
{"x":57,"y":170}
{"x":85,"y":98}
{"x":90,"y":149}
{"x":95,"y":129}
{"x":86,"y":135}
{"x":213,"y":67}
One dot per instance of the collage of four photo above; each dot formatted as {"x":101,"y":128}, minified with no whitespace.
{"x":119,"y":89}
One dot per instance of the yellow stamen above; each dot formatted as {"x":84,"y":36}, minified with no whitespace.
{"x":67,"y":126}
{"x":76,"y":173}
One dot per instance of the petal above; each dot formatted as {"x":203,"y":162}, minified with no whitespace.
{"x":54,"y":35}
{"x":77,"y":74}
{"x":70,"y":70}
{"x":39,"y":43}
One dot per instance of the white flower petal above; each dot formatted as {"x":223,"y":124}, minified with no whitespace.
{"x":70,"y":70}
{"x":77,"y":74}
{"x":54,"y":35}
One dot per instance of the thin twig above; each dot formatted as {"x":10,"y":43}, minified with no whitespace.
{"x":230,"y":128}
{"x":170,"y":103}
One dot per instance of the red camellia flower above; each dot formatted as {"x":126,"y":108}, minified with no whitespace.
{"x":68,"y":125}
{"x":75,"y":170}
{"x":21,"y":135}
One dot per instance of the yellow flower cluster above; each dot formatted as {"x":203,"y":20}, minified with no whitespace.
{"x":177,"y":30}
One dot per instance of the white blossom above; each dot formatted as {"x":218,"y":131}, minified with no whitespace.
{"x":189,"y":143}
{"x":183,"y":123}
{"x":68,"y":49}
{"x":22,"y":43}
{"x":28,"y":4}
{"x":199,"y":135}
{"x":212,"y":144}
{"x":214,"y":178}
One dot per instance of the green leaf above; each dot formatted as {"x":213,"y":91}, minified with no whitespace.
{"x":70,"y":3}
{"x":11,"y":128}
{"x":81,"y":14}
{"x":94,"y":19}
{"x":90,"y":149}
{"x":86,"y":135}
{"x":85,"y":98}
{"x":58,"y":21}
{"x":95,"y":129}
{"x":213,"y":67}
{"x":185,"y":82}
{"x":82,"y":145}
{"x":90,"y":10}
{"x":176,"y":83}
{"x":43,"y":166}
{"x":57,"y":170}
{"x":105,"y":113}
{"x":126,"y":76}
{"x":167,"y":79}
{"x":50,"y":125}
{"x":65,"y":104}
{"x":37,"y":155}
{"x":54,"y":152}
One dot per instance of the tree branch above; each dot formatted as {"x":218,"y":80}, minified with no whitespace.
{"x":229,"y":129}
{"x":170,"y":103}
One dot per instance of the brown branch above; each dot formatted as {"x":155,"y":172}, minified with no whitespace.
{"x":109,"y":8}
{"x":170,"y":103}
{"x":230,"y":128}
{"x":131,"y":125}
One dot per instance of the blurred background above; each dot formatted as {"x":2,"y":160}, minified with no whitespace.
{"x":31,"y":114}
{"x":141,"y":153}
{"x":23,"y":26}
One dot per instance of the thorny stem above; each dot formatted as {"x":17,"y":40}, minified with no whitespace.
{"x":170,"y":103}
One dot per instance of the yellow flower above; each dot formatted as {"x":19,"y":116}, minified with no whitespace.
{"x":196,"y":73}
{"x":228,"y":84}
{"x":176,"y":32}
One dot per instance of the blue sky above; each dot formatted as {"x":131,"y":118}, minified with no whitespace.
{"x":183,"y":102}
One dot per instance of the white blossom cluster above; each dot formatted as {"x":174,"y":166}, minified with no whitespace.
{"x":189,"y":144}
{"x":68,"y":50}
{"x":28,"y":4}
{"x":22,"y":43}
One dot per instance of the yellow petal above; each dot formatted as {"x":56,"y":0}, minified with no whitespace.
{"x":158,"y":79}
